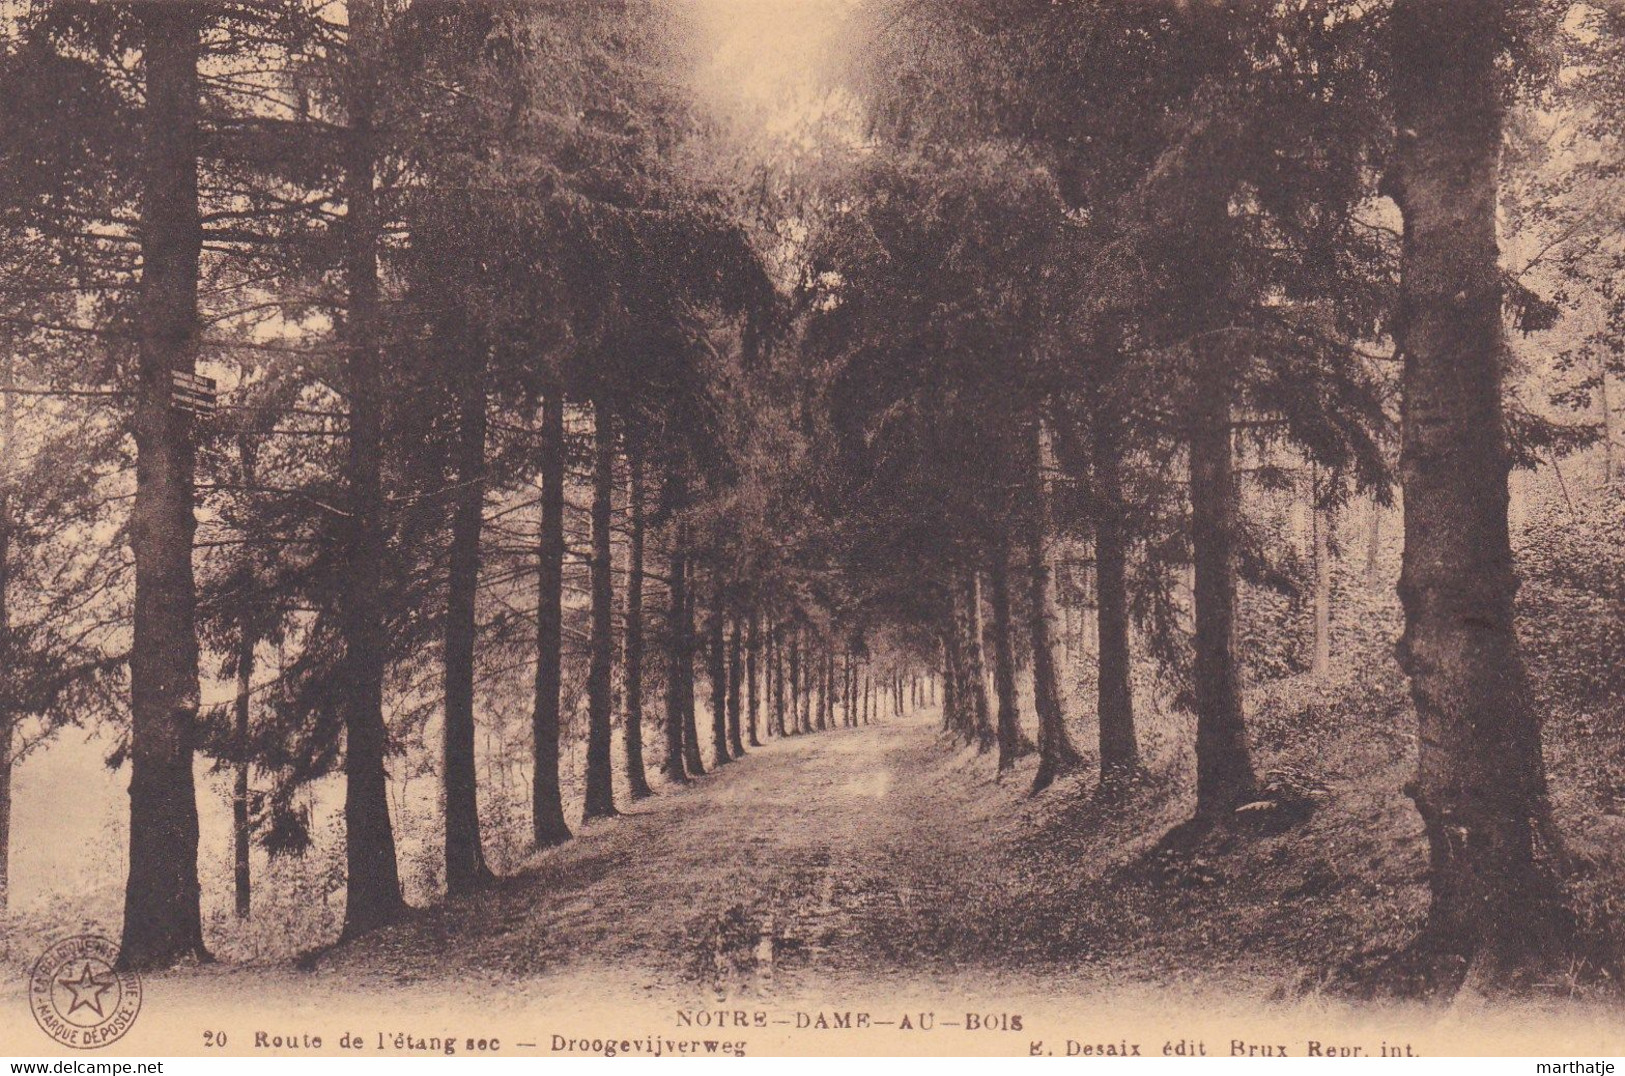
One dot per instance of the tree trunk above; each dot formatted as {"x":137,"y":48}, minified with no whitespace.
{"x":547,"y":801}
{"x":834,"y":689}
{"x":976,"y":663}
{"x":795,"y":675}
{"x":1320,"y":520}
{"x":162,"y":921}
{"x":852,"y":693}
{"x":1224,"y":772}
{"x":1114,"y":696}
{"x":1056,"y":753}
{"x":633,"y":643}
{"x":794,"y":671}
{"x":677,"y":655}
{"x":1004,"y":661}
{"x":374,"y":887}
{"x":955,"y":714}
{"x":753,"y":647}
{"x":846,"y":690}
{"x":465,"y":863}
{"x":812,"y":670}
{"x":778,"y":680}
{"x":770,"y":674}
{"x":858,"y":667}
{"x":241,"y":882}
{"x":600,"y":797}
{"x":818,"y":695}
{"x":805,"y":718}
{"x":736,"y":673}
{"x":1481,"y":781}
{"x":691,"y":729}
{"x":821,"y":700}
{"x":717,"y":668}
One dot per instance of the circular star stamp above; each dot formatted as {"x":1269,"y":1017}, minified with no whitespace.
{"x":78,"y":995}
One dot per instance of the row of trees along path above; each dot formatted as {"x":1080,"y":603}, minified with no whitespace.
{"x":534,"y":374}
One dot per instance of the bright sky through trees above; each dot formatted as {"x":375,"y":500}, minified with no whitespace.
{"x":769,"y":62}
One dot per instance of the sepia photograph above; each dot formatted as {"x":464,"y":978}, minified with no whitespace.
{"x":806,"y":528}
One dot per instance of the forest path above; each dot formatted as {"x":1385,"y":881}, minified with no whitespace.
{"x":879,"y":870}
{"x":861,"y":866}
{"x":840,"y":851}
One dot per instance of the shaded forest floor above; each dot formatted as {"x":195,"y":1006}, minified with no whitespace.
{"x":858,"y":858}
{"x":871,"y":865}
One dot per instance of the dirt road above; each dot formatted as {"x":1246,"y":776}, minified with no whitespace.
{"x":848,"y":850}
{"x":876,"y":870}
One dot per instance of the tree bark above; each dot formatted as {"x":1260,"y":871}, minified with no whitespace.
{"x":846,"y":690}
{"x":794,"y":670}
{"x":548,"y":826}
{"x":858,"y":672}
{"x":600,"y":792}
{"x":753,"y":646}
{"x":777,"y":637}
{"x":1056,"y":753}
{"x":736,"y":673}
{"x":770,"y":674}
{"x":691,"y":729}
{"x":804,"y":719}
{"x":1495,"y":857}
{"x":465,"y":862}
{"x":836,"y":690}
{"x":976,"y":662}
{"x":633,"y":644}
{"x":832,"y":691}
{"x":374,"y":887}
{"x":1320,"y":662}
{"x":852,"y":691}
{"x":162,"y":921}
{"x":820,"y":689}
{"x":677,"y":655}
{"x":1224,"y":772}
{"x":717,"y":669}
{"x":1004,"y":661}
{"x":1114,"y":696}
{"x":242,"y":886}
{"x":821,"y":678}
{"x":955,"y":713}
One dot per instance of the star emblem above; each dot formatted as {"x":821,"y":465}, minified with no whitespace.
{"x":87,"y":991}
